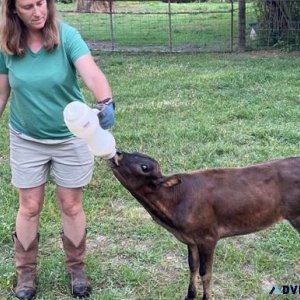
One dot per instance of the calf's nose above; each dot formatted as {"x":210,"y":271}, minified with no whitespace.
{"x":117,"y":158}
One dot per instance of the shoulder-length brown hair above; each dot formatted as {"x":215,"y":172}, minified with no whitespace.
{"x":13,"y":32}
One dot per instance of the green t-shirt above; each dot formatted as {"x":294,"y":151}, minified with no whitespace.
{"x":42,"y":84}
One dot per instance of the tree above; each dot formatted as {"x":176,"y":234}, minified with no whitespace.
{"x":94,"y":5}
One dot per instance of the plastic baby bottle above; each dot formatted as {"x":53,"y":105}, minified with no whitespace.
{"x":83,"y":122}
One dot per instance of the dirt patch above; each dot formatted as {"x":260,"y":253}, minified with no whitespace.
{"x":97,"y":242}
{"x":108,"y":46}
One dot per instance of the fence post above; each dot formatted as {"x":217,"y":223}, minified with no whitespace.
{"x":242,"y":25}
{"x":170,"y":26}
{"x":231,"y":26}
{"x":111,"y":24}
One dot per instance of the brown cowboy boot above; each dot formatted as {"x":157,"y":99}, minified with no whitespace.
{"x":80,"y":286}
{"x":26,"y":268}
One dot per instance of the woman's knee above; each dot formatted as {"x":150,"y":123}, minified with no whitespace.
{"x":30,"y":203}
{"x":30,"y":208}
{"x":69,"y":201}
{"x":71,"y":209}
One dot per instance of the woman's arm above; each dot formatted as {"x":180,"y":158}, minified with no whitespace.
{"x":97,"y":83}
{"x":93,"y":77}
{"x":4,"y":92}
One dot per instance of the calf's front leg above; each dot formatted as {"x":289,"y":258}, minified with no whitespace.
{"x":206,"y":253}
{"x":194,"y":264}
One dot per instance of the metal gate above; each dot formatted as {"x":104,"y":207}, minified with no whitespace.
{"x":156,"y":26}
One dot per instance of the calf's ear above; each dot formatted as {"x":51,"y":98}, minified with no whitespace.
{"x":168,"y":181}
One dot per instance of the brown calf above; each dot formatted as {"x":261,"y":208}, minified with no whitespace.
{"x":203,"y":206}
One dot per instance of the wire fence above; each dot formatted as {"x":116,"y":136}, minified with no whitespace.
{"x":157,"y":26}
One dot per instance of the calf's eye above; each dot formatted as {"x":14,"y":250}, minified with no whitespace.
{"x":144,"y":168}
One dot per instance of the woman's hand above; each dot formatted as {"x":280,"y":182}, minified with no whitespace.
{"x":106,"y":114}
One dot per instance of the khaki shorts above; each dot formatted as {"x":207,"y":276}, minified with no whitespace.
{"x":69,"y":161}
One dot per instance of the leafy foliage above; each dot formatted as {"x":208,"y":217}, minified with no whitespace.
{"x":279,"y":22}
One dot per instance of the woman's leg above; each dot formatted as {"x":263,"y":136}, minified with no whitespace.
{"x":74,"y":238}
{"x":27,"y":221}
{"x":72,"y":214}
{"x":26,"y":240}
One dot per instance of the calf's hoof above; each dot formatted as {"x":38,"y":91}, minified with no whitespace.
{"x":25,"y":293}
{"x":190,"y":297}
{"x":81,"y":290}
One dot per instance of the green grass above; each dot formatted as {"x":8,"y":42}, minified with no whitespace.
{"x":187,"y":111}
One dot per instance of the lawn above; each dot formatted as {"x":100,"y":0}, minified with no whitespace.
{"x":188,"y":111}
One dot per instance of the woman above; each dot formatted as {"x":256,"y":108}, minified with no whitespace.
{"x":39,"y":59}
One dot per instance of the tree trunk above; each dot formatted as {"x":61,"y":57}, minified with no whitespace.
{"x":94,"y":5}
